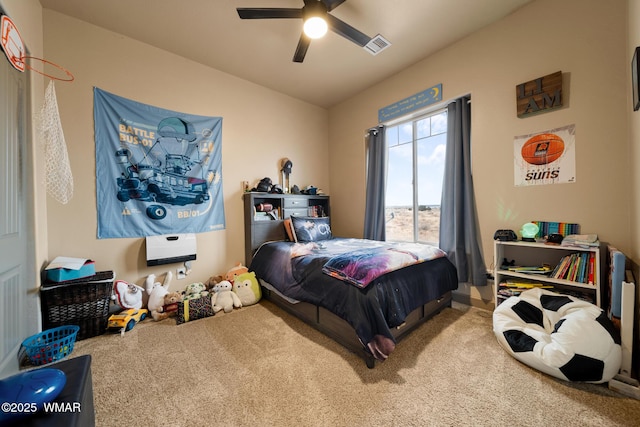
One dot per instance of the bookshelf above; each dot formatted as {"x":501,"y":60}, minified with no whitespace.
{"x":264,"y":214}
{"x":565,"y":272}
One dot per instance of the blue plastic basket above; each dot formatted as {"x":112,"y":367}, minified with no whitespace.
{"x":51,"y":345}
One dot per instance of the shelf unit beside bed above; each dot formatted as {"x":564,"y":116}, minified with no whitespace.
{"x":537,"y":254}
{"x":261,"y":227}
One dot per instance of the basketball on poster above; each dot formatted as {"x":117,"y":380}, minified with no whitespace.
{"x":546,"y":157}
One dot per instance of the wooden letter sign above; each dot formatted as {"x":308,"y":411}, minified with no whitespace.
{"x":541,"y":94}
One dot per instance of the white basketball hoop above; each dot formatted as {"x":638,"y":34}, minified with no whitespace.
{"x":13,"y":47}
{"x":12,"y":43}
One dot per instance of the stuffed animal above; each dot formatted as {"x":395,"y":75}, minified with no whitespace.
{"x":127,"y":295}
{"x":170,"y":307}
{"x":212,"y":282}
{"x":225,"y":299}
{"x":194,"y":291}
{"x":247,"y":288}
{"x":237,"y":270}
{"x":156,"y":292}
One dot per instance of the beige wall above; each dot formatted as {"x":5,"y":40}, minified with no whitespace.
{"x":586,"y":40}
{"x":260,"y":127}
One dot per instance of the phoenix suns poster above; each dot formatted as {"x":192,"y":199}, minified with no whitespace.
{"x":547,"y":157}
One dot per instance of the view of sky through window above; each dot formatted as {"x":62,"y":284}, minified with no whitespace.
{"x":416,"y":153}
{"x":430,"y":140}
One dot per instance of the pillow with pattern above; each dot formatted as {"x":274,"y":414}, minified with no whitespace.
{"x":194,"y":309}
{"x":311,"y":229}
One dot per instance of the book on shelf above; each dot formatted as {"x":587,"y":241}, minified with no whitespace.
{"x":543,"y":269}
{"x":584,"y":262}
{"x":557,"y":271}
{"x":592,"y":269}
{"x":316,"y":211}
{"x":266,"y":216}
{"x":515,"y":287}
{"x":563,"y":228}
{"x":576,"y":267}
{"x":571,"y":275}
{"x":526,"y":285}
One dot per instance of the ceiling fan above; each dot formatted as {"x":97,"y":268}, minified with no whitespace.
{"x":314,"y":12}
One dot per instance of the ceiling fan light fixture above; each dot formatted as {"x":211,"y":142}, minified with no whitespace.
{"x":316,"y":21}
{"x":315,"y":27}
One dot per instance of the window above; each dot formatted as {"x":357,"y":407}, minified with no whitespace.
{"x":414,"y":178}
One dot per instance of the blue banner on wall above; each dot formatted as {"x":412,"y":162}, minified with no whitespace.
{"x":157,"y":171}
{"x":410,"y":104}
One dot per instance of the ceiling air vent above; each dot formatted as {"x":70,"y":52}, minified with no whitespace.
{"x":376,"y":45}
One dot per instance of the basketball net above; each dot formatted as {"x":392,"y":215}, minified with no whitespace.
{"x":58,"y":170}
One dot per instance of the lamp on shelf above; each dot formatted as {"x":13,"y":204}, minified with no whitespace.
{"x":529,"y":232}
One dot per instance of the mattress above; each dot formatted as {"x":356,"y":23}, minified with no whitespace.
{"x":297,"y":272}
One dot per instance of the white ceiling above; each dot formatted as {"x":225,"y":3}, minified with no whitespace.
{"x":261,"y":51}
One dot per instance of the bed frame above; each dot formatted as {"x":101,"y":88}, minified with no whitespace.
{"x":258,"y":232}
{"x":340,"y":331}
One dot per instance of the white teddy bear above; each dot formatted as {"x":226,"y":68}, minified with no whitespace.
{"x":224,"y":298}
{"x":156,"y":293}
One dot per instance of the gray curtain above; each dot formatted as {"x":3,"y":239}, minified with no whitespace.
{"x":374,"y":227}
{"x":458,"y":223}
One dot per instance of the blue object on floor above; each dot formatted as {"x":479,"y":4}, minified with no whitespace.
{"x":51,"y":345}
{"x":25,"y":393}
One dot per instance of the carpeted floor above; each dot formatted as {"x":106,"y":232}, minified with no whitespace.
{"x":260,"y":366}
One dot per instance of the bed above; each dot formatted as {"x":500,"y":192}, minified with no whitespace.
{"x":340,"y":287}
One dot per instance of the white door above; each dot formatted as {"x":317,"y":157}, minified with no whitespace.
{"x":17,"y":296}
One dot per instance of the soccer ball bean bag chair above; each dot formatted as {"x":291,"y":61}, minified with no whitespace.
{"x":560,"y":335}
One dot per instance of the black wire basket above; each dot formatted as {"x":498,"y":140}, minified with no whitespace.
{"x":82,"y":302}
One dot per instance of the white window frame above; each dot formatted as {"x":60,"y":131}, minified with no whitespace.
{"x":414,"y":119}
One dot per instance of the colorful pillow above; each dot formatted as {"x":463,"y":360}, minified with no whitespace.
{"x":194,"y":309}
{"x":311,"y":229}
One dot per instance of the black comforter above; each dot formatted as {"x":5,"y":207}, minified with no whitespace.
{"x":382,"y":304}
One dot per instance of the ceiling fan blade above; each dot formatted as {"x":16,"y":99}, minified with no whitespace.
{"x":332,"y":4}
{"x":347,"y":31}
{"x":301,"y":50}
{"x":268,"y":13}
